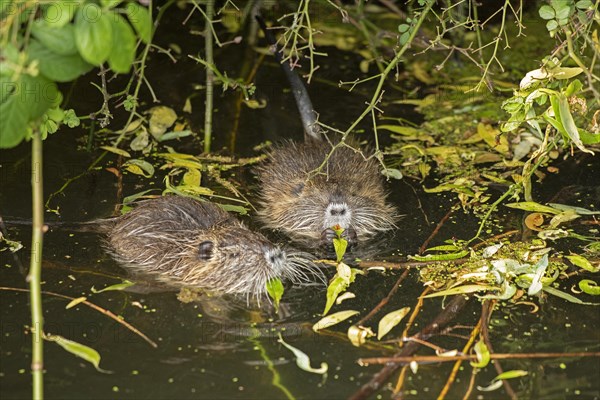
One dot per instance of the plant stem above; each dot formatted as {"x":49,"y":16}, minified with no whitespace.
{"x":210,"y":75}
{"x":35,"y":269}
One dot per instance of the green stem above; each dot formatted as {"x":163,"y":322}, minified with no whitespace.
{"x":35,"y":270}
{"x":210,"y":75}
{"x":382,"y":77}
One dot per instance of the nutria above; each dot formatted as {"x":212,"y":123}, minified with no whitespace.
{"x":348,"y":192}
{"x":186,"y":242}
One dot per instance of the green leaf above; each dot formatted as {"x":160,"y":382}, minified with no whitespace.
{"x":390,"y":320}
{"x":14,"y":112}
{"x":566,"y":296}
{"x":533,"y":207}
{"x":340,"y":245}
{"x":590,"y":287}
{"x":117,"y":286}
{"x":546,"y":12}
{"x":562,"y":8}
{"x":584,"y":5}
{"x":551,"y":25}
{"x":175,"y":135}
{"x":515,"y":373}
{"x":110,"y":3}
{"x":302,"y":360}
{"x":333,"y":319}
{"x":93,"y":34}
{"x":540,"y":270}
{"x":392,"y":173}
{"x":121,"y":56}
{"x":58,"y":40}
{"x":60,"y":68}
{"x":87,"y":353}
{"x":140,"y":167}
{"x":58,"y":13}
{"x":465,"y":289}
{"x":116,"y":150}
{"x":569,"y":124}
{"x":275,"y":291}
{"x":339,"y":283}
{"x":483,"y":355}
{"x":578,"y":210}
{"x":441,"y":257}
{"x":582,"y":263}
{"x":141,"y":20}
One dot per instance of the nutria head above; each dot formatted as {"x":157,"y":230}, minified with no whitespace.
{"x":348,"y":192}
{"x":185,"y":242}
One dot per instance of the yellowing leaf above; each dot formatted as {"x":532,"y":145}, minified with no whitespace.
{"x":483,"y":355}
{"x":333,"y":319}
{"x":118,"y":286}
{"x":76,"y":301}
{"x":390,"y":320}
{"x":358,"y":335}
{"x":493,"y":138}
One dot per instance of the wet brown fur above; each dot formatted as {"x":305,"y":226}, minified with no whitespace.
{"x":296,"y":205}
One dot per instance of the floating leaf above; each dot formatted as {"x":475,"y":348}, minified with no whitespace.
{"x":333,"y":319}
{"x":589,"y":287}
{"x":87,"y":353}
{"x":161,"y":119}
{"x":515,"y":373}
{"x":116,"y":150}
{"x":344,"y":296}
{"x":390,"y":320}
{"x":491,"y":250}
{"x":494,"y":386}
{"x":533,"y":207}
{"x":117,"y":286}
{"x":465,"y":289}
{"x":578,"y":210}
{"x":175,"y":135}
{"x":275,"y":291}
{"x":358,"y":335}
{"x":76,"y":301}
{"x":392,"y":173}
{"x":302,"y":360}
{"x":582,"y":263}
{"x":441,"y":257}
{"x":566,"y":296}
{"x":140,"y":167}
{"x":540,"y":270}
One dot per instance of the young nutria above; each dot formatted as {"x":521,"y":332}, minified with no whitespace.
{"x":348,"y":192}
{"x":186,"y":242}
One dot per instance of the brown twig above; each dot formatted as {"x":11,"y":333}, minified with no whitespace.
{"x":385,"y":300}
{"x":437,"y":228}
{"x":486,"y":314}
{"x":101,"y":310}
{"x":458,"y":363}
{"x":403,"y":360}
{"x":433,"y":328}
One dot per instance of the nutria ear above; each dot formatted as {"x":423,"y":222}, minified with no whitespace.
{"x":205,"y":250}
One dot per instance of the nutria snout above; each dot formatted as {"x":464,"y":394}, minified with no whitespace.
{"x":348,"y":192}
{"x":185,"y":242}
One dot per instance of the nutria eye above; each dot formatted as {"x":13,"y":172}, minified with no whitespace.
{"x":205,"y":250}
{"x":297,"y":190}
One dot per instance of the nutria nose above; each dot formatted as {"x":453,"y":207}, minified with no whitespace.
{"x":338,"y":209}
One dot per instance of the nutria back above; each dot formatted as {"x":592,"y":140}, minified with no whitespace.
{"x":348,"y":192}
{"x":185,"y":242}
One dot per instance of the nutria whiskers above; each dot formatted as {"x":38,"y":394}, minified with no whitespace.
{"x":185,"y":242}
{"x":348,"y":192}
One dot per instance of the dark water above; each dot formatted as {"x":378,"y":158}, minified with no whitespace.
{"x":222,"y":349}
